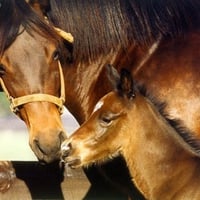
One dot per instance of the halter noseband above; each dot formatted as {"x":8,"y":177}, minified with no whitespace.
{"x":16,"y":102}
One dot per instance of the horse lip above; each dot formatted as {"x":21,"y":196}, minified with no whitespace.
{"x":73,"y":162}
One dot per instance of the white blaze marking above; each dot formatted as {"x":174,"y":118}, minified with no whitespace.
{"x":98,"y":106}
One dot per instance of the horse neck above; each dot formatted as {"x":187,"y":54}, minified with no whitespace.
{"x":90,"y":82}
{"x":87,"y":84}
{"x":156,"y":156}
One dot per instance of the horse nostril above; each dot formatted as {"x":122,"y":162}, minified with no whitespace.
{"x":37,"y":143}
{"x":66,"y":150}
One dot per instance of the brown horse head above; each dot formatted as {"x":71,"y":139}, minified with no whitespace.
{"x":157,"y":149}
{"x":118,"y":122}
{"x":29,"y":67}
{"x":102,"y":135}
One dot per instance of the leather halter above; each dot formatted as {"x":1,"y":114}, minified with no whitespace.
{"x":18,"y":101}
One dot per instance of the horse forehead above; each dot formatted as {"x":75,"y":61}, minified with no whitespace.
{"x":111,"y":101}
{"x":28,"y":50}
{"x":30,"y":44}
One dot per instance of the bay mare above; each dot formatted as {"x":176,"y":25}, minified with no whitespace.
{"x":162,"y":157}
{"x":158,"y":41}
{"x":31,"y":77}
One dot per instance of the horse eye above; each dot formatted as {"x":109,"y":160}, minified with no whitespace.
{"x":108,"y":118}
{"x":2,"y":69}
{"x":105,"y":121}
{"x":56,"y":55}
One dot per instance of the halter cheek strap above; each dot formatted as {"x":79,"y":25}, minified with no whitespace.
{"x":16,"y":102}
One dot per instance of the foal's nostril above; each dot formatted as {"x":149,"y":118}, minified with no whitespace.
{"x":65,"y":148}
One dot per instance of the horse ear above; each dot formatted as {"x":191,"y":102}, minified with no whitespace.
{"x":40,"y":6}
{"x":113,"y":75}
{"x":126,"y":85}
{"x":123,"y":83}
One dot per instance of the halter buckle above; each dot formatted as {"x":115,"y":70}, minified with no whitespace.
{"x":13,"y":108}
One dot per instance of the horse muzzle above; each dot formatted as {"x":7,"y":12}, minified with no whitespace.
{"x":67,"y":155}
{"x":46,"y":145}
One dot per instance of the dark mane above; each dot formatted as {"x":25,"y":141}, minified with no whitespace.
{"x":99,"y":26}
{"x":177,"y":124}
{"x":16,"y":13}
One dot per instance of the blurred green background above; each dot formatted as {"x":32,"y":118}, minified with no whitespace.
{"x":4,"y":105}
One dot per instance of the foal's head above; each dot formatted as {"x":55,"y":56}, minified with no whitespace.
{"x":105,"y":133}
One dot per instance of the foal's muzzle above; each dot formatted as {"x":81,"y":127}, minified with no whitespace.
{"x":67,"y":157}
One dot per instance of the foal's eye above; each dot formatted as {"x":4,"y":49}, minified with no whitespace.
{"x":56,"y":55}
{"x":105,"y":121}
{"x":108,"y":118}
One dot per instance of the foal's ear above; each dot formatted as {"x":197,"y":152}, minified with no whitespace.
{"x":123,"y":83}
{"x":126,"y":85}
{"x":113,"y":76}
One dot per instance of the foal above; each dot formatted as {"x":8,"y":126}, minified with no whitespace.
{"x":161,"y":156}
